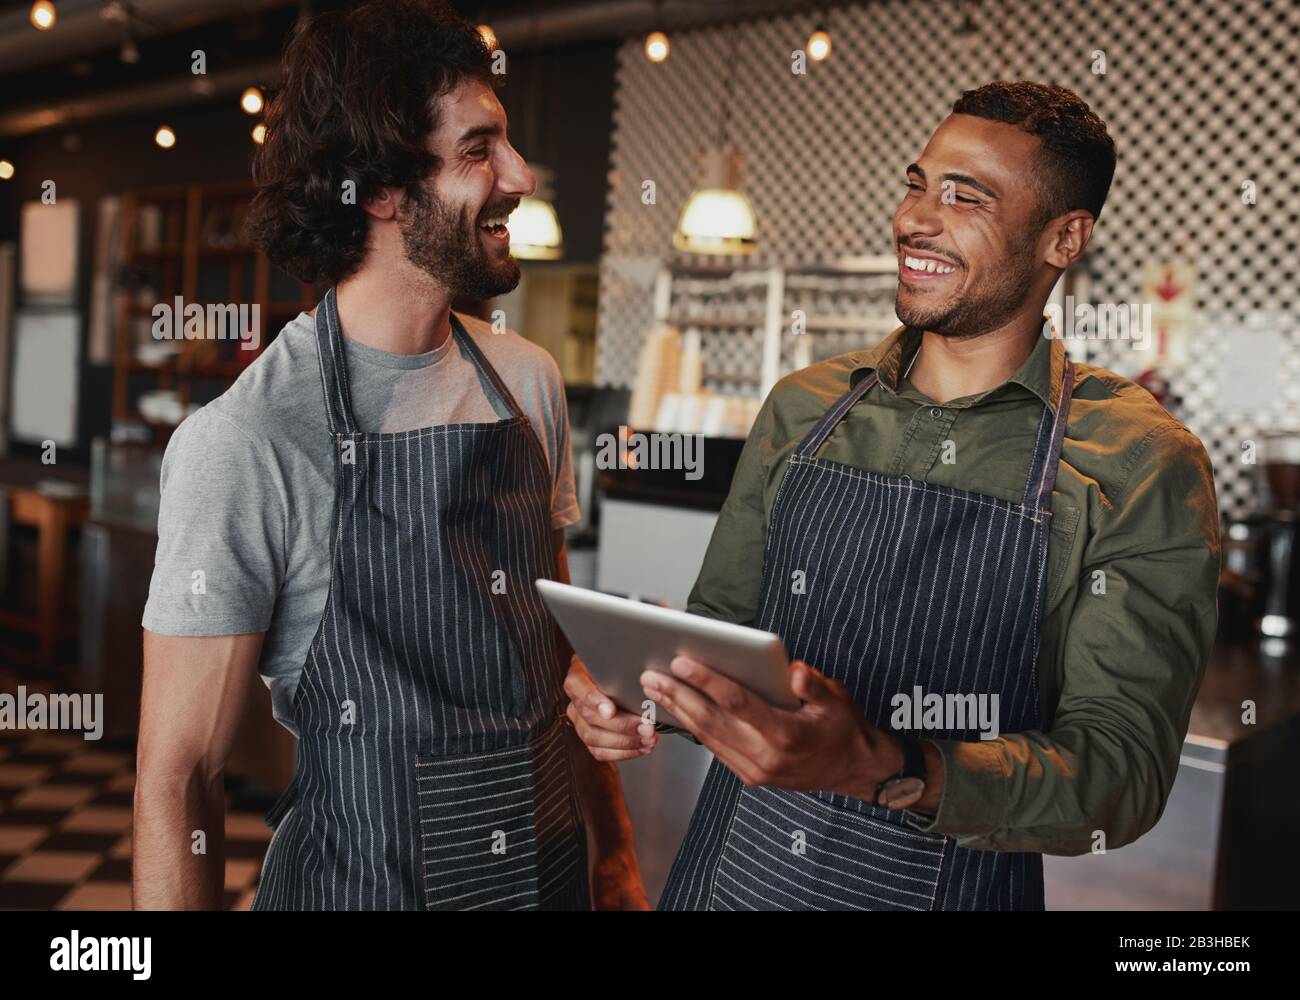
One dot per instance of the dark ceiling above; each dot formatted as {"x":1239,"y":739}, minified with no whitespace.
{"x":245,"y":37}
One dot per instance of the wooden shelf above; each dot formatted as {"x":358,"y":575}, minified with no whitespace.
{"x":178,"y":264}
{"x":166,"y":252}
{"x":230,"y":251}
{"x":717,"y":322}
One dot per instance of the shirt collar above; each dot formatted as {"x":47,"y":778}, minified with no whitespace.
{"x":1041,"y":373}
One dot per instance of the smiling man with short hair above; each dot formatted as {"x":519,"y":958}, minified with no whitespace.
{"x":959,"y":512}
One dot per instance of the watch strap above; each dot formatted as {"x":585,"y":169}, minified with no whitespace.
{"x":913,"y":758}
{"x":913,"y":764}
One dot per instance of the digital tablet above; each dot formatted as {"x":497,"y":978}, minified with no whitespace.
{"x":618,"y":639}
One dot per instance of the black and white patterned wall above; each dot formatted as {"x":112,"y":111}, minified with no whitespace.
{"x":1200,"y":97}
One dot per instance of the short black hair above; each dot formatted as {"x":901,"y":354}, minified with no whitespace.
{"x":1076,"y":153}
{"x":357,"y":102}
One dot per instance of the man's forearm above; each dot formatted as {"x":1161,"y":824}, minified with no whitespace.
{"x":173,"y":868}
{"x":602,"y":795}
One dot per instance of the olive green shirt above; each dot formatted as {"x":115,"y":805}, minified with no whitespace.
{"x":1130,"y":607}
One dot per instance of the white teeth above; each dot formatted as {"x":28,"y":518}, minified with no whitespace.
{"x":495,"y":222}
{"x":927,"y":264}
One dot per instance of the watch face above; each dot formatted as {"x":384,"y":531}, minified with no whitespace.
{"x":901,"y":793}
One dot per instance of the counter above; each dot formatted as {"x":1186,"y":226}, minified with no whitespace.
{"x":1227,"y":838}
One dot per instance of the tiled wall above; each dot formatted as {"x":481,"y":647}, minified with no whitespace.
{"x":1199,"y":97}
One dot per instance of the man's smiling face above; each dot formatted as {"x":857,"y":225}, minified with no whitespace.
{"x":455,"y":231}
{"x":967,"y":229}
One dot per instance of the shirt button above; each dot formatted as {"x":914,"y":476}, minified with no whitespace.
{"x":936,"y":412}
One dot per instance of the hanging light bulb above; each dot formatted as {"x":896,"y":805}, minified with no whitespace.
{"x":534,"y":226}
{"x":819,"y":45}
{"x":6,"y":170}
{"x":656,"y":46}
{"x":718,"y":218}
{"x":165,"y":137}
{"x":251,"y":101}
{"x":43,"y":15}
{"x":488,"y":35}
{"x":259,"y":133}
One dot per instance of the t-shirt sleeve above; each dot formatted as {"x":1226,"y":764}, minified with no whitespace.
{"x":564,"y":496}
{"x":221,"y":533}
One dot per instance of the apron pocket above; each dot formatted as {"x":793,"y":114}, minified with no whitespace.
{"x":792,"y":851}
{"x":478,"y":850}
{"x":500,"y":830}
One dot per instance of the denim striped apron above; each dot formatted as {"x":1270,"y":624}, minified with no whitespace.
{"x":434,"y":769}
{"x":901,"y":584}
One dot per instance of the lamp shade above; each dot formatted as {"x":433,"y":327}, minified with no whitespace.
{"x":718,"y":218}
{"x":535,"y":231}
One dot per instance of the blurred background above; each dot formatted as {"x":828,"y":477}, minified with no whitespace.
{"x":708,"y":170}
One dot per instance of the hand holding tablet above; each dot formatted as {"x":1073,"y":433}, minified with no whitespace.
{"x":618,"y":640}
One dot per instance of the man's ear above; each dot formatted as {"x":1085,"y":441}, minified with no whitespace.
{"x":1068,"y":237}
{"x":384,"y":204}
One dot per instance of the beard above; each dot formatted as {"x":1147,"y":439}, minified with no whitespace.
{"x":985,"y":306}
{"x":444,"y":243}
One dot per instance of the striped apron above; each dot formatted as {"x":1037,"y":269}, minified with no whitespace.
{"x":886,"y":584}
{"x":433,"y":768}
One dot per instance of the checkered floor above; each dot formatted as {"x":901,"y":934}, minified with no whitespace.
{"x":65,"y":826}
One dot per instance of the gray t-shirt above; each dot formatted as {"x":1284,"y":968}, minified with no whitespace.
{"x":248,"y":480}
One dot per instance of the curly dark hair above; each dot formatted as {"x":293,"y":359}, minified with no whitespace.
{"x":358,"y":99}
{"x":1076,"y":153}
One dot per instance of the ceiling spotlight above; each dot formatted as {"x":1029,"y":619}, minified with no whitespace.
{"x":819,"y":45}
{"x":656,"y":46}
{"x":165,"y":137}
{"x":43,"y":15}
{"x":6,"y":170}
{"x":115,"y":11}
{"x":259,"y":133}
{"x":488,"y":35}
{"x":251,"y":101}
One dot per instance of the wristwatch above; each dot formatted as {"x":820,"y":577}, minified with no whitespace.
{"x":901,"y":790}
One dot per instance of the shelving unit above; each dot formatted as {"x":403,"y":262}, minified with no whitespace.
{"x":186,"y":241}
{"x":847,"y":303}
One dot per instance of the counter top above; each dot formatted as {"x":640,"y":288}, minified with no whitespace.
{"x":1263,"y":671}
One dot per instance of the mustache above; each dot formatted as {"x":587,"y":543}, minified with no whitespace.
{"x":505,"y":207}
{"x":924,"y":247}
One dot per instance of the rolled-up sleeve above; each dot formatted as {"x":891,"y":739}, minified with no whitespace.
{"x":1136,"y":646}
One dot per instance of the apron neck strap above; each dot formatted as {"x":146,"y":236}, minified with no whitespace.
{"x":333,"y":366}
{"x":1047,"y":443}
{"x":332,"y":356}
{"x":485,"y":368}
{"x":822,"y":429}
{"x":1047,"y":446}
